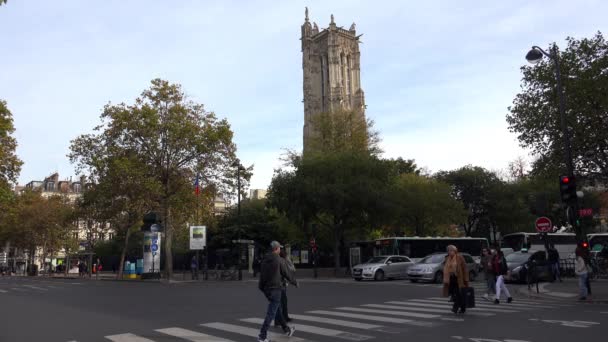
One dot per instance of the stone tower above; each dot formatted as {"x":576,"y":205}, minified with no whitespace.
{"x":330,"y":61}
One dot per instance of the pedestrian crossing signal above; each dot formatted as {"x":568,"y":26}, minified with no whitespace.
{"x":567,"y":188}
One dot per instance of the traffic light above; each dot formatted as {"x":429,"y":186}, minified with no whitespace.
{"x":584,"y":244}
{"x":567,"y":189}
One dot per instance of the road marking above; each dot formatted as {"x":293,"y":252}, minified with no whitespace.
{"x":362,"y":317}
{"x":518,"y":303}
{"x":319,"y":331}
{"x":190,"y":335}
{"x":17,"y":289}
{"x":561,"y":294}
{"x":350,"y":324}
{"x":237,"y":329}
{"x":127,"y":338}
{"x":389,"y":312}
{"x":571,"y":324}
{"x":3,"y":291}
{"x":407,"y":308}
{"x":36,"y":287}
{"x":432,"y":304}
{"x":504,"y":306}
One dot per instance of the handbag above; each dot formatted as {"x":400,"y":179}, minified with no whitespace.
{"x":468,"y":295}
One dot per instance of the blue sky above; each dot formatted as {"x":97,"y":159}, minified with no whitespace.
{"x":438,"y":76}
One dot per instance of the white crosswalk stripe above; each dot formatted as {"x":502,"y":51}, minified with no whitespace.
{"x":3,"y":291}
{"x":127,"y":338}
{"x":251,"y":332}
{"x":325,"y":320}
{"x":514,"y":304}
{"x":319,"y":331}
{"x":390,"y":312}
{"x":362,"y":317}
{"x":190,"y":335}
{"x":419,"y":309}
{"x":435,"y":304}
{"x":36,"y":287}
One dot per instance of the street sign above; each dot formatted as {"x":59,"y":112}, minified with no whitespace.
{"x":543,"y":225}
{"x":198,"y":237}
{"x":154,"y":247}
{"x":585,"y":212}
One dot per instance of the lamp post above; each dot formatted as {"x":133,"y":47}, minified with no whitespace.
{"x":534,"y":56}
{"x":237,"y":164}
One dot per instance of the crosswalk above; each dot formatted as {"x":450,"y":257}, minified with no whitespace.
{"x":362,"y":322}
{"x":21,"y":287}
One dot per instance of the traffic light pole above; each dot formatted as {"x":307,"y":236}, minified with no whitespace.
{"x":572,"y":205}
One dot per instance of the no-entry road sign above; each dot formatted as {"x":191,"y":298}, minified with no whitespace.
{"x":543,"y":225}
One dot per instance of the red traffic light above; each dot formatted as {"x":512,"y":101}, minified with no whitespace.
{"x":585,"y":245}
{"x":565,"y":179}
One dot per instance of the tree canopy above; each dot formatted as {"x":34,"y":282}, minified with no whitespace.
{"x":535,"y":114}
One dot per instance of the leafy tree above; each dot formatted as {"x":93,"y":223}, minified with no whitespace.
{"x":10,"y":165}
{"x":472,"y":186}
{"x":535,"y":114}
{"x":170,"y":139}
{"x":424,"y":204}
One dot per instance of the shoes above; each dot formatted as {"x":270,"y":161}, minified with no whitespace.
{"x":509,"y":300}
{"x":288,"y":320}
{"x":264,"y":340}
{"x":454,"y":310}
{"x":485,"y":296}
{"x":582,"y":298}
{"x":462,"y":311}
{"x":496,"y":301}
{"x":290,"y":330}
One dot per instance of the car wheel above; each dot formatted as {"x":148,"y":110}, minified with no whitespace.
{"x":358,"y":279}
{"x":438,"y":277}
{"x":414,"y":280}
{"x":379,"y":275}
{"x":472,"y":276}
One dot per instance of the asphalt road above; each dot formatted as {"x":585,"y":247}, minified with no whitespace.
{"x":323,"y":310}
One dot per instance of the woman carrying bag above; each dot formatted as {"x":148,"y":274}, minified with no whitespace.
{"x":455,"y":278}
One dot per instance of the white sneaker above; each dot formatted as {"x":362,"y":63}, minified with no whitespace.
{"x":264,"y":340}
{"x":486,"y":297}
{"x":290,"y":330}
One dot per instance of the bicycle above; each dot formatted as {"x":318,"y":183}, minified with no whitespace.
{"x":219,"y":273}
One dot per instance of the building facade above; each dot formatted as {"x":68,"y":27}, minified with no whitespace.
{"x":257,"y":193}
{"x":331,"y":70}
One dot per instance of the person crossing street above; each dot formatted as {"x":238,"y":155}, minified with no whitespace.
{"x":272,"y":272}
{"x":500,"y":269}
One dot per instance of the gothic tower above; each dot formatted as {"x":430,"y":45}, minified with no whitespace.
{"x":330,"y":60}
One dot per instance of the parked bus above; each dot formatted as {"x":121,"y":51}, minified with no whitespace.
{"x":417,"y":248}
{"x":565,"y":243}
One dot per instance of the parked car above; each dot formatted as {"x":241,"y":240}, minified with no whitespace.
{"x":528,"y":263}
{"x":430,"y":268}
{"x":383,"y":267}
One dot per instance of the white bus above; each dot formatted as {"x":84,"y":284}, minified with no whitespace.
{"x":565,"y":243}
{"x":417,"y":248}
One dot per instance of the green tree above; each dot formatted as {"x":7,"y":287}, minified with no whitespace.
{"x":472,"y":186}
{"x":10,"y":164}
{"x":173,"y":139}
{"x":535,"y":114}
{"x":424,"y":205}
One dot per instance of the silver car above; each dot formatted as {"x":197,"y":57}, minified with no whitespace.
{"x":430,"y":268}
{"x":383,"y":267}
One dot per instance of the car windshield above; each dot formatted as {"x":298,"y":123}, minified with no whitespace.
{"x":376,"y":260}
{"x":517,"y":258}
{"x":433,"y":259}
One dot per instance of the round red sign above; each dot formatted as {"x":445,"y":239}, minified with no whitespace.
{"x":543,"y":225}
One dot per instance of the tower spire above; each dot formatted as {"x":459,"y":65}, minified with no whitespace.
{"x":306,"y":14}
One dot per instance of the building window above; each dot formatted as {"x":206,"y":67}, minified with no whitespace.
{"x":110,"y":236}
{"x":76,"y":187}
{"x":50,"y":186}
{"x":323,"y":70}
{"x":348,"y":77}
{"x":75,"y":235}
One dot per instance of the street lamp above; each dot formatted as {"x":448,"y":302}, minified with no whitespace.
{"x":237,"y":164}
{"x":533,"y":57}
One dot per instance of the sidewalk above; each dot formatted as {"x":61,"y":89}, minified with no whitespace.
{"x":568,"y":291}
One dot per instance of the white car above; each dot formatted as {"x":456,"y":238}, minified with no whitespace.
{"x":383,"y":267}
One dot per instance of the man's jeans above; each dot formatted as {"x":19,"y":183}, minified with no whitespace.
{"x":555,"y":271}
{"x":274,"y":310}
{"x":582,"y":285}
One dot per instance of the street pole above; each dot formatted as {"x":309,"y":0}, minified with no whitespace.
{"x":571,"y":208}
{"x":238,"y":214}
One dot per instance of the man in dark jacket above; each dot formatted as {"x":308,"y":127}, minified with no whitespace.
{"x":273,"y":271}
{"x":554,"y":262}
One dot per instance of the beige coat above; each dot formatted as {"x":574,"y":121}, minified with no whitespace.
{"x":462,"y":274}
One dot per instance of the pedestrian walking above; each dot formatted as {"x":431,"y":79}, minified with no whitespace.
{"x":554,"y":262}
{"x":488,"y":271}
{"x":272,"y":272}
{"x":292,"y":269}
{"x":194,"y":267}
{"x":499,"y":263}
{"x":455,"y":278}
{"x":580,"y":270}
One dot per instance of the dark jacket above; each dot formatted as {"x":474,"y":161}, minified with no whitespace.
{"x":500,"y":264}
{"x":272,"y":272}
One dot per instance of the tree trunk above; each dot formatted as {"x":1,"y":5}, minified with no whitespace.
{"x":123,"y":254}
{"x":168,"y":243}
{"x":337,"y":237}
